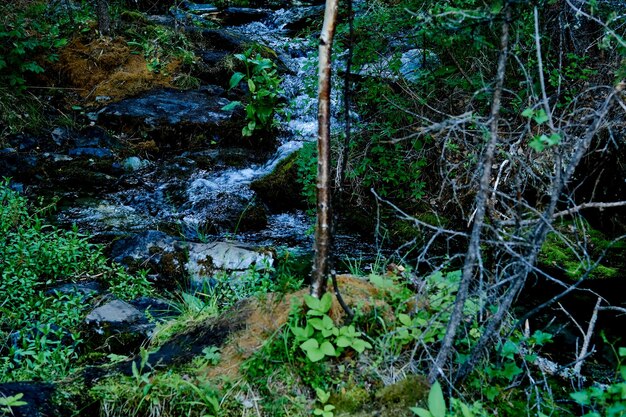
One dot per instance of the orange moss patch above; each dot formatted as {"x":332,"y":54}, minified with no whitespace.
{"x":270,"y":314}
{"x":107,"y":67}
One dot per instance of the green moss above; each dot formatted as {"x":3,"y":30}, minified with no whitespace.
{"x":557,"y":253}
{"x":352,"y":400}
{"x":280,"y":189}
{"x":397,"y":398}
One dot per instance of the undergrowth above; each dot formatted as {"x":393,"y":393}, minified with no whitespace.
{"x":40,"y":324}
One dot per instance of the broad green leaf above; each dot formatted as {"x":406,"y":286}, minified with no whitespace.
{"x":421,"y":412}
{"x":309,"y":344}
{"x":251,"y":86}
{"x":466,"y":411}
{"x":436,"y":403}
{"x":541,"y":338}
{"x":528,"y":113}
{"x":236,"y":79}
{"x":311,"y":302}
{"x":622,"y":352}
{"x":326,"y":302}
{"x":540,"y":116}
{"x":360,"y":345}
{"x":509,"y":349}
{"x":328,"y":349}
{"x":231,"y":106}
{"x":537,"y":144}
{"x":581,"y":397}
{"x":511,"y":370}
{"x":343,"y":341}
{"x":405,"y":319}
{"x":322,"y":395}
{"x":315,"y":355}
{"x":554,"y":139}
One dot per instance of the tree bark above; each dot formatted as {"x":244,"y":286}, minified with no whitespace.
{"x":104,"y":19}
{"x":473,"y":251}
{"x":323,"y":226}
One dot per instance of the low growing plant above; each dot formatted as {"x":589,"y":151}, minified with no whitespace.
{"x":264,"y":92}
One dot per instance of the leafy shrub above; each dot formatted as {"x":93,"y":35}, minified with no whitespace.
{"x":264,"y":91}
{"x":35,"y":258}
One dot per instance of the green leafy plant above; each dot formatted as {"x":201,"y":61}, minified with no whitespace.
{"x":7,"y":403}
{"x":212,"y":354}
{"x":327,"y":409}
{"x":437,"y":406}
{"x":45,"y":323}
{"x":608,"y":401}
{"x":543,"y":141}
{"x":436,"y":403}
{"x":320,"y":337}
{"x":263,"y":83}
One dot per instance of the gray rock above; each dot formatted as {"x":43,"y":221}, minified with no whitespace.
{"x":93,"y":152}
{"x":117,"y":327}
{"x":208,"y":259}
{"x":174,"y":117}
{"x":86,"y":289}
{"x":134,"y":163}
{"x":161,"y":254}
{"x":115,"y":313}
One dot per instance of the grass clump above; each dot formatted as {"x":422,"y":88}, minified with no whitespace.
{"x":40,"y":325}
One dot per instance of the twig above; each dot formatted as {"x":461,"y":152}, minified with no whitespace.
{"x":590,"y":328}
{"x":588,"y":205}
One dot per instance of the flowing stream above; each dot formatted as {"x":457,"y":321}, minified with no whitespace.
{"x":195,"y":202}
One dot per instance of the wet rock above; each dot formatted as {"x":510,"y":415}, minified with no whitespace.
{"x":280,"y":189}
{"x":91,"y":152}
{"x":199,"y":8}
{"x":235,"y":16}
{"x":135,"y":163}
{"x":175,"y":118}
{"x":297,"y":19}
{"x":213,"y":58}
{"x":102,"y":218}
{"x":154,"y":307}
{"x":92,"y":136}
{"x":86,"y":289}
{"x":161,"y":254}
{"x":222,"y":39}
{"x":36,"y":395}
{"x":208,"y":259}
{"x":18,"y":165}
{"x":24,"y":142}
{"x":225,"y":212}
{"x":117,"y":327}
{"x":61,"y":135}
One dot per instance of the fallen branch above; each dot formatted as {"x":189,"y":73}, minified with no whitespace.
{"x":582,"y":206}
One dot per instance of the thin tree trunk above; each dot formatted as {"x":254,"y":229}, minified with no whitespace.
{"x":323,"y":227}
{"x":104,"y":19}
{"x":473,"y":251}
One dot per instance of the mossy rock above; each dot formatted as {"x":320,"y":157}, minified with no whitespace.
{"x":390,"y":401}
{"x":280,"y":189}
{"x":557,"y":254}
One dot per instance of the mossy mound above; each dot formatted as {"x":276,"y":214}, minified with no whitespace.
{"x":389,"y":401}
{"x":106,"y":68}
{"x":575,"y":251}
{"x":280,"y":189}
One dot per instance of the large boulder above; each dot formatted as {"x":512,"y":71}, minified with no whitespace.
{"x":206,"y":260}
{"x":36,"y":396}
{"x":162,"y":255}
{"x":177,"y":119}
{"x":280,"y":190}
{"x":117,"y":327}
